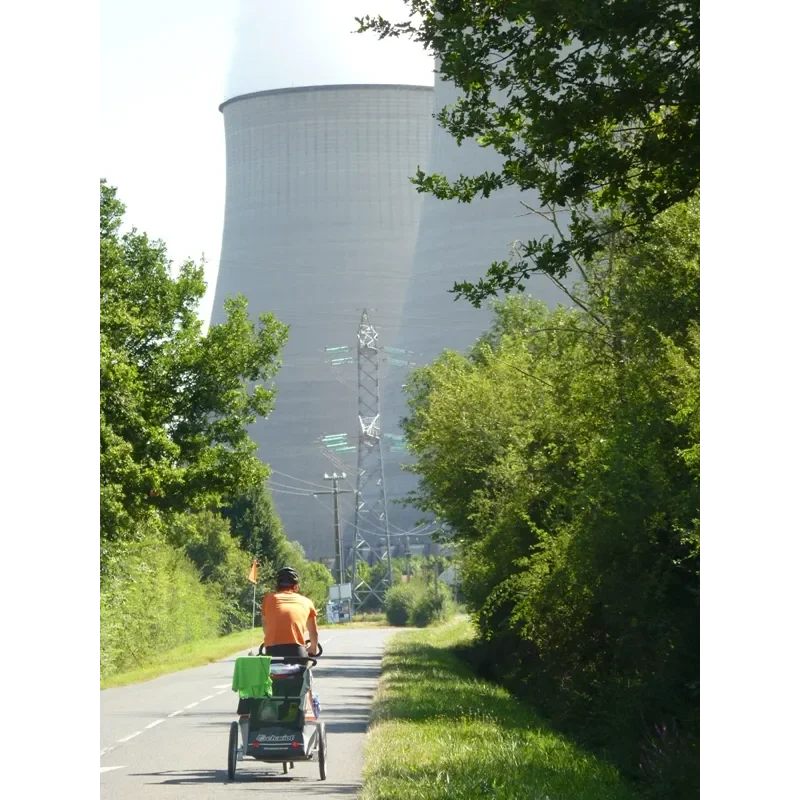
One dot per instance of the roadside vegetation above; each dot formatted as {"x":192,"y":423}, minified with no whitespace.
{"x":193,"y":654}
{"x":440,"y":732}
{"x":198,"y":652}
{"x":576,"y":517}
{"x":415,"y":603}
{"x":184,"y":509}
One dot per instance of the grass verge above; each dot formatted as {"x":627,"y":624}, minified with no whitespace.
{"x":192,"y":654}
{"x":204,"y":651}
{"x":439,"y":732}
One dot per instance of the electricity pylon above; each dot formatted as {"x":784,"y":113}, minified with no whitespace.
{"x":370,"y":513}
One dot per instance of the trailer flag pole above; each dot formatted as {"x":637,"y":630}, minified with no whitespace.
{"x":253,"y":578}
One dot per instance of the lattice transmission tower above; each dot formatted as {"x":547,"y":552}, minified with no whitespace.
{"x":371,"y":518}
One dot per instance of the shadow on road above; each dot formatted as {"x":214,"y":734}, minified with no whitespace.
{"x":345,"y":672}
{"x":338,"y":720}
{"x":308,"y":785}
{"x":338,"y":657}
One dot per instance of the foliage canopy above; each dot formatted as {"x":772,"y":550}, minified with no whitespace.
{"x":174,"y":404}
{"x":592,"y":104}
{"x":563,"y":454}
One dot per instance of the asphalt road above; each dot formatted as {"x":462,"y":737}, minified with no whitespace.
{"x":168,"y":738}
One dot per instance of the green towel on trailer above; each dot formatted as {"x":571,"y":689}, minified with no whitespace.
{"x":251,"y":676}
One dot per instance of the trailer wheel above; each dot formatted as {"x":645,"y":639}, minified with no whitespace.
{"x":233,"y":746}
{"x":323,"y":751}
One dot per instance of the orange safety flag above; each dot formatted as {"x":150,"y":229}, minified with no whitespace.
{"x":253,"y":576}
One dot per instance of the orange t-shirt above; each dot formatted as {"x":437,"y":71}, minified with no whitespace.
{"x":286,"y":615}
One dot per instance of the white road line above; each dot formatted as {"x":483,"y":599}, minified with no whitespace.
{"x":106,"y":769}
{"x":223,"y":687}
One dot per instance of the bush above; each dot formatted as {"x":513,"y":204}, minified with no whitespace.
{"x":433,"y":607}
{"x":206,"y":540}
{"x":401,"y":600}
{"x":414,"y":603}
{"x":315,"y":580}
{"x":151,"y":600}
{"x":576,"y":509}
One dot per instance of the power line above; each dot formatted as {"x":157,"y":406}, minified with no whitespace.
{"x":283,"y":491}
{"x":300,"y":480}
{"x":287,"y":486}
{"x":382,"y":534}
{"x":419,"y":527}
{"x":330,"y":510}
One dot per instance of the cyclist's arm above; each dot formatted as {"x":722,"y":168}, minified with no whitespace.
{"x":313,"y":635}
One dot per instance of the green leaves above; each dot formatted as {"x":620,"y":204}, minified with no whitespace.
{"x":562,"y":452}
{"x":594,"y":106}
{"x":174,"y":404}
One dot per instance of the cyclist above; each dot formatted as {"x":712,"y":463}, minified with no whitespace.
{"x":286,"y":615}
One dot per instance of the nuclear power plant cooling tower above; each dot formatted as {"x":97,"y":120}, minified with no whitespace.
{"x":455,"y":242}
{"x":320,"y":222}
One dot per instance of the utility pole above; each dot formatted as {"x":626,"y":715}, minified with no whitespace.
{"x":338,"y":565}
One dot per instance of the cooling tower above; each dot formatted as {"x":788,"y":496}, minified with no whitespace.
{"x":456,"y":242}
{"x":320,"y":223}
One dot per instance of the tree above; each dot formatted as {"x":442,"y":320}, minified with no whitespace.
{"x":205,"y":538}
{"x":174,"y":404}
{"x":562,"y":452}
{"x":256,"y":523}
{"x":315,"y":581}
{"x":594,"y":104}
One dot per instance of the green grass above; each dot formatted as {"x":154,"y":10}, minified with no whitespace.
{"x":193,"y":654}
{"x":205,"y":651}
{"x":439,"y":732}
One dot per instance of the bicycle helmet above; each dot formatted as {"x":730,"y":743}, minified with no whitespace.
{"x":287,"y":577}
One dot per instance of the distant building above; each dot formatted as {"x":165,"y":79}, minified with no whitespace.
{"x":321,"y":221}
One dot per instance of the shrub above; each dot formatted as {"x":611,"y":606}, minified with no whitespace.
{"x":433,"y":607}
{"x":206,"y":540}
{"x":315,"y":580}
{"x":150,"y":601}
{"x":401,"y":600}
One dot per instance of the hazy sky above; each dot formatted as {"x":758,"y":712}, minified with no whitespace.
{"x":166,"y":67}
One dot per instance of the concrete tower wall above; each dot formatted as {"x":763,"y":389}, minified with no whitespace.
{"x":456,"y":242}
{"x":320,"y":222}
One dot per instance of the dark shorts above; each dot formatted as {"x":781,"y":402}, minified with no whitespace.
{"x":287,"y":651}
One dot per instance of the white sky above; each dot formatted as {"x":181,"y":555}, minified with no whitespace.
{"x":166,"y":67}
